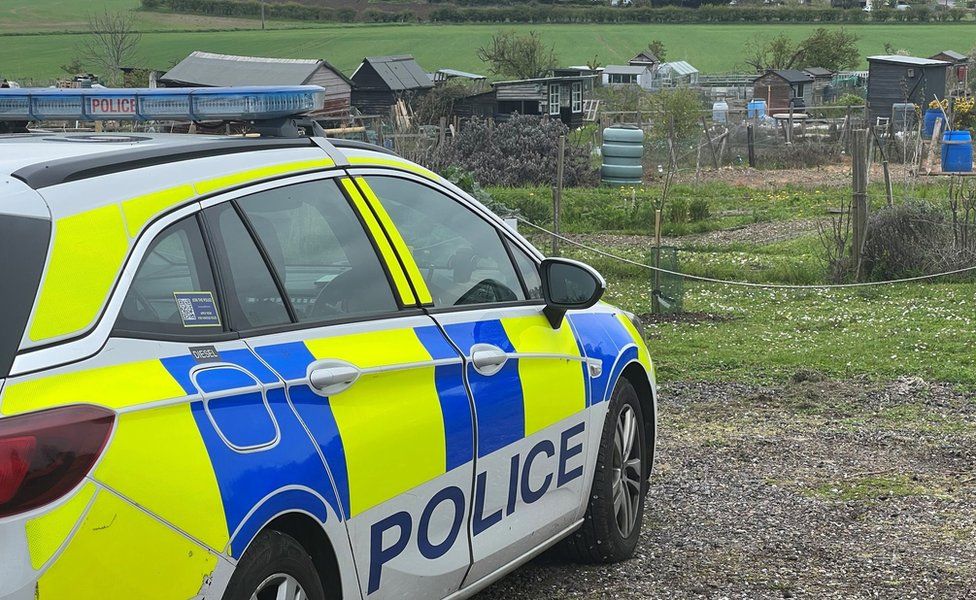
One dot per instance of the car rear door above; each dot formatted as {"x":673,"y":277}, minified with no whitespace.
{"x":375,"y":383}
{"x":528,"y":379}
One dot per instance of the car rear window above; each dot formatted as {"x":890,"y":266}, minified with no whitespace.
{"x":23,"y":248}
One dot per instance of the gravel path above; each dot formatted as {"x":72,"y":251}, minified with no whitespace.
{"x":816,"y":489}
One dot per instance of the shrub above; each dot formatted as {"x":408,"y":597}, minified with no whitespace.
{"x":698,"y":210}
{"x":520,"y":151}
{"x":677,"y":211}
{"x":909,"y":240}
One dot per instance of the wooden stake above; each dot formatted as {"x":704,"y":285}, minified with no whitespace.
{"x":557,"y":192}
{"x":859,"y":201}
{"x":751,"y":141}
{"x":711,"y":147}
{"x":655,"y":303}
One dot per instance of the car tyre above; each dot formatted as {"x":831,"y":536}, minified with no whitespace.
{"x":612,"y":524}
{"x":275,"y":566}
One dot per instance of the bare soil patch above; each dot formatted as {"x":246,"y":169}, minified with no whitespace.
{"x":815,"y":489}
{"x":753,"y":233}
{"x":838,"y":175}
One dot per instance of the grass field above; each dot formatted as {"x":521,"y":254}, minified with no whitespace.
{"x":170,"y":37}
{"x":765,"y":335}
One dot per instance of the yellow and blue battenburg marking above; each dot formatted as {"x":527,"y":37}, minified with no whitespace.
{"x":608,"y":338}
{"x":255,"y":486}
{"x":366,"y":434}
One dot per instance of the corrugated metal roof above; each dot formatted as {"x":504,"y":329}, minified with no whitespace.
{"x":912,"y":61}
{"x":399,"y":72}
{"x":624,"y":69}
{"x":213,"y":70}
{"x":679,"y":67}
{"x":462,"y":74}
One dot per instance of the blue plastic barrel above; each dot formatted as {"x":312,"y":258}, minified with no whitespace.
{"x":932,"y":115}
{"x":957,"y":152}
{"x":756,"y":108}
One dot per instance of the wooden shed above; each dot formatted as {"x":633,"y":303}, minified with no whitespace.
{"x":778,"y":86}
{"x":382,"y":80}
{"x":644,"y":58}
{"x":206,"y":69}
{"x":958,"y":75}
{"x":560,"y":97}
{"x":624,"y":75}
{"x":822,"y":91}
{"x":894,"y":79}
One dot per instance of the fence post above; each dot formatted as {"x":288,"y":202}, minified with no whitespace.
{"x":711,"y":147}
{"x":859,"y":203}
{"x":655,"y":302}
{"x":557,"y":193}
{"x":442,"y":131}
{"x":751,"y":142}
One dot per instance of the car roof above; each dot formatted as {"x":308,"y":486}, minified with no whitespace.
{"x":22,"y":150}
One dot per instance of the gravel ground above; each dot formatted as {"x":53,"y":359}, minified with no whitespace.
{"x":815,"y":489}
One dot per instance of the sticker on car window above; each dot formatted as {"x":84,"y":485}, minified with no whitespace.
{"x":197,"y":309}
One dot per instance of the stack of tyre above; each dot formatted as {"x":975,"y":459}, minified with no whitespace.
{"x":623,"y":151}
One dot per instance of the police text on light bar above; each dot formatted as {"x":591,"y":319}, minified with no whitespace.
{"x":172,"y":104}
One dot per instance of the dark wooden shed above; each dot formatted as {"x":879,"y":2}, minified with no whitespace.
{"x":894,"y":79}
{"x":560,"y":97}
{"x":207,"y":69}
{"x":777,"y":87}
{"x":382,"y":80}
{"x":958,"y":72}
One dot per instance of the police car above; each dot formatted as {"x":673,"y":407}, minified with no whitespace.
{"x":284,"y":366}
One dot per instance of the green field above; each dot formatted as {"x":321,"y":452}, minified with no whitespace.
{"x":169,"y":37}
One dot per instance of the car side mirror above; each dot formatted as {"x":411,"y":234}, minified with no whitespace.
{"x":568,"y":285}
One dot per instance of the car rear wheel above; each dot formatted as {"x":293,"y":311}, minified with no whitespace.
{"x":612,"y":524}
{"x":275,"y":567}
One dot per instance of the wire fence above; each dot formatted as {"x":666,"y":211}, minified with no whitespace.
{"x":773,"y":286}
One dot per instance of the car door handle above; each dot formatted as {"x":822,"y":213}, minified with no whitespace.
{"x":488,"y":359}
{"x":330,"y":379}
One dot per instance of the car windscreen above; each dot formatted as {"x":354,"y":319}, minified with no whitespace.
{"x":23,"y":247}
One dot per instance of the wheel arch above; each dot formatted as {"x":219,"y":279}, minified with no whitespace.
{"x":637,"y":376}
{"x":310,"y":534}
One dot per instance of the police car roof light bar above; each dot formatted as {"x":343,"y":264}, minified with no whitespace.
{"x":257,"y":103}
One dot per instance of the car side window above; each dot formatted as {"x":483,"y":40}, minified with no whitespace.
{"x":461,"y":256}
{"x":173,"y":291}
{"x":320,"y":251}
{"x":252,"y":295}
{"x":529,"y":271}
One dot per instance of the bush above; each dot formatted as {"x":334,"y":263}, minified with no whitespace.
{"x":909,"y":240}
{"x":677,"y":211}
{"x":520,"y":151}
{"x":698,"y":210}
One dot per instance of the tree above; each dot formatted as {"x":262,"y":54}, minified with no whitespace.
{"x":831,"y":49}
{"x":111,"y":45}
{"x":73,"y":67}
{"x":520,"y":56}
{"x":658,"y":49}
{"x":834,"y":49}
{"x":779,"y":52}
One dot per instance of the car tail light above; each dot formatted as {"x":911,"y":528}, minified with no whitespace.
{"x":44,"y":455}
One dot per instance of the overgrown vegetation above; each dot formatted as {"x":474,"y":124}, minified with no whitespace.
{"x":520,"y":151}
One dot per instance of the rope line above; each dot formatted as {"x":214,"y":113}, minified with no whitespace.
{"x":773,"y":286}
